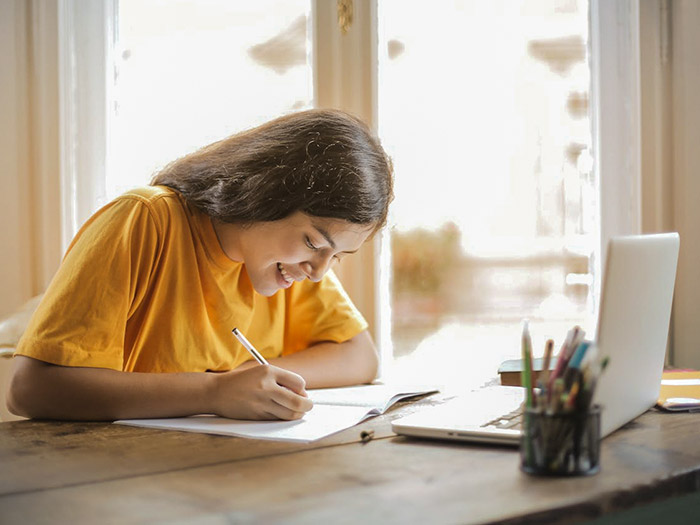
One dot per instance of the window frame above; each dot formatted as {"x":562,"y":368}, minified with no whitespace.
{"x":87,"y":33}
{"x":615,"y":114}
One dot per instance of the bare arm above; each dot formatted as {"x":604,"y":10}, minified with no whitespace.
{"x":333,"y":364}
{"x":43,"y":390}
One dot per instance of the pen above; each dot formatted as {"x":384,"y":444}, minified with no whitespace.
{"x":579,"y":354}
{"x":565,"y":354}
{"x":248,"y":346}
{"x":527,"y":363}
{"x":573,"y":370}
{"x":526,"y":377}
{"x":544,"y":378}
{"x":555,"y":399}
{"x":562,"y":354}
{"x":571,"y":397}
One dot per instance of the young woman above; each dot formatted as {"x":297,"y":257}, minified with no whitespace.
{"x":137,"y":321}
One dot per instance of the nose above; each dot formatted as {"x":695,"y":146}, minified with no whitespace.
{"x":315,"y":269}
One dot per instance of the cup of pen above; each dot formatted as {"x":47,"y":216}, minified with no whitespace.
{"x":561,"y":425}
{"x":560,"y":443}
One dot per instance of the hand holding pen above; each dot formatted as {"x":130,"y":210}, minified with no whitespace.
{"x":259,"y":392}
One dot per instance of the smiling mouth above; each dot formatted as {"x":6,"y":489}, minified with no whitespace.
{"x":287,"y":278}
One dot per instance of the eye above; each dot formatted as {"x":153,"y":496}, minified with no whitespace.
{"x":310,"y":244}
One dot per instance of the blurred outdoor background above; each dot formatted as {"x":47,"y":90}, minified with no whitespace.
{"x":483,"y":107}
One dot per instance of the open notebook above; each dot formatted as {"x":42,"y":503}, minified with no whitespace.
{"x":335,"y":409}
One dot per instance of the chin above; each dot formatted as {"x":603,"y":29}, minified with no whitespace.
{"x":266,"y":290}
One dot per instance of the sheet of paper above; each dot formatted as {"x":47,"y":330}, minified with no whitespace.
{"x":320,"y":422}
{"x":680,"y":382}
{"x":369,"y":396}
{"x":335,"y":409}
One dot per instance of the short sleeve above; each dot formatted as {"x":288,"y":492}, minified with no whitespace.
{"x":82,"y":318}
{"x":319,"y":312}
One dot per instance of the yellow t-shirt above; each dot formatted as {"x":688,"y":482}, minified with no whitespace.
{"x":146,"y":287}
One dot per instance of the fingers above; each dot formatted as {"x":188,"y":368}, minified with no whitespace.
{"x":277,"y":411}
{"x":290,"y":380}
{"x":289,"y":395}
{"x":291,"y":401}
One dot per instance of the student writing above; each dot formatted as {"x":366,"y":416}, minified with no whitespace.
{"x":137,"y":321}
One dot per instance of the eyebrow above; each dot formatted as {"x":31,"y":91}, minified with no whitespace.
{"x":328,"y":238}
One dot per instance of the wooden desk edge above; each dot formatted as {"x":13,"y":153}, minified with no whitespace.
{"x":612,"y":502}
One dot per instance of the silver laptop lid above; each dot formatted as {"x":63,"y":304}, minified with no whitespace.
{"x":635,"y":311}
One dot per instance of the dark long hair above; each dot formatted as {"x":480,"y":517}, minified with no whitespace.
{"x":325,"y":163}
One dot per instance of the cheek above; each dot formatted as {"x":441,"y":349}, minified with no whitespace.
{"x":287,"y":251}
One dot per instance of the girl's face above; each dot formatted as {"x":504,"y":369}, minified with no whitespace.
{"x":292,"y":249}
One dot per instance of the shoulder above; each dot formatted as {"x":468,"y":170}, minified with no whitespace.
{"x":160,"y":202}
{"x":149,"y":208}
{"x":152,"y":196}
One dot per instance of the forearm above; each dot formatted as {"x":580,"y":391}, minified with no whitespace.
{"x":41,"y":390}
{"x":334,"y":364}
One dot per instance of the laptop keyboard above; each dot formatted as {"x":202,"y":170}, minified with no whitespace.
{"x":512,"y":420}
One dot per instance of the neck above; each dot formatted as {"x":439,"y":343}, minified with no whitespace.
{"x":229,"y":238}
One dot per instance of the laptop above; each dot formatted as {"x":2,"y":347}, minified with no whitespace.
{"x":633,"y":324}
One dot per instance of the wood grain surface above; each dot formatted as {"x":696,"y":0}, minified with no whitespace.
{"x":93,"y":472}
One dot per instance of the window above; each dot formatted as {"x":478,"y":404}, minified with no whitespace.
{"x":566,"y":282}
{"x":484,"y":108}
{"x":190,"y":72}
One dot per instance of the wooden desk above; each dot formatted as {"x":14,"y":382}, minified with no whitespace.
{"x":103,"y":473}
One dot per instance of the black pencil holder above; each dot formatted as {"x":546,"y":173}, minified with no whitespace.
{"x":561,"y":444}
